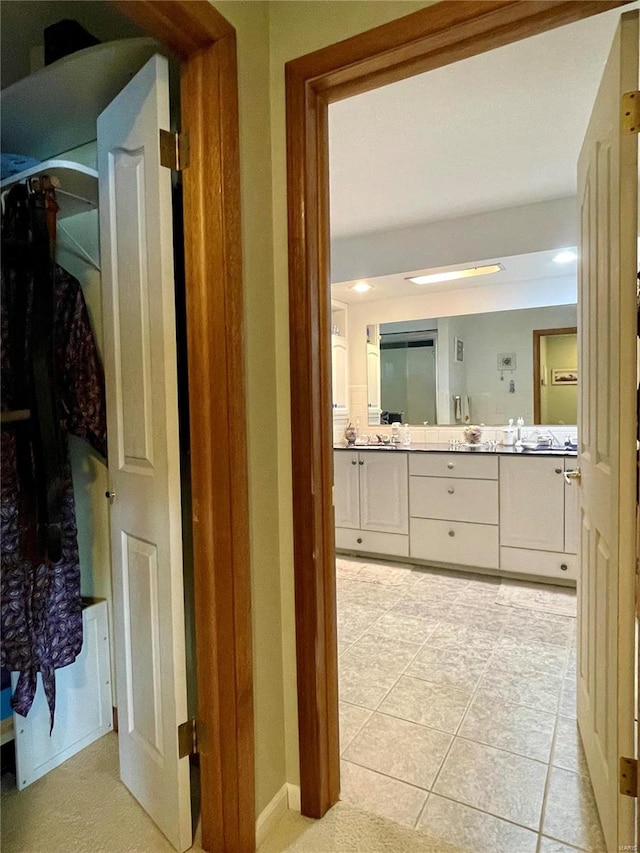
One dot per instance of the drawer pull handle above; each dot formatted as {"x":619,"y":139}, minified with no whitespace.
{"x":354,"y":461}
{"x":359,"y":540}
{"x":559,"y":471}
{"x":564,"y":567}
{"x":451,"y":491}
{"x":452,"y":533}
{"x":361,"y":462}
{"x":449,"y":464}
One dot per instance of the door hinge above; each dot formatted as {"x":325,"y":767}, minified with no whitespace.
{"x":631,"y":112}
{"x":188,"y":738}
{"x":174,"y":150}
{"x":629,"y":776}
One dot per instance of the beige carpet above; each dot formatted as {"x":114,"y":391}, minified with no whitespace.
{"x":346,"y":829}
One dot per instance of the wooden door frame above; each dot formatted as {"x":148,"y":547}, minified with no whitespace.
{"x":537,"y":334}
{"x":431,"y":38}
{"x":205,"y":42}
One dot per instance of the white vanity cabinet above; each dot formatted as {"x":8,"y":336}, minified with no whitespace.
{"x":453,"y":508}
{"x":538,"y":517}
{"x":371,"y":501}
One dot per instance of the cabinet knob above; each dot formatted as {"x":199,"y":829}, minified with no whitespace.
{"x":559,"y":471}
{"x":110,"y":496}
{"x":451,"y":491}
{"x":452,"y":533}
{"x":354,"y":461}
{"x":449,"y":464}
{"x":359,"y":540}
{"x":361,"y":462}
{"x":564,"y":567}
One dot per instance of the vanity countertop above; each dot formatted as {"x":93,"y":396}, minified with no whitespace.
{"x":416,"y":447}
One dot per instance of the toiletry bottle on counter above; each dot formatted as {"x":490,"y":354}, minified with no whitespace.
{"x":395,"y":432}
{"x":509,"y":435}
{"x":406,"y":435}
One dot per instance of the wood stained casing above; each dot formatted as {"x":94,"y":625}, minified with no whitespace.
{"x":430,"y":38}
{"x":206,"y":45}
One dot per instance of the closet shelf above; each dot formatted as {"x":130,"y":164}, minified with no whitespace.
{"x":55,"y":109}
{"x":78,"y":191}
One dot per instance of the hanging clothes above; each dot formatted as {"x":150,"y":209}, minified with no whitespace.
{"x":41,"y":609}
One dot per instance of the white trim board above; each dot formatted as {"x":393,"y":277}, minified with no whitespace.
{"x":288,"y":797}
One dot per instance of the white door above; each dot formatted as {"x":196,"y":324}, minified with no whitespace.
{"x":373,"y":382}
{"x":346,"y":488}
{"x":607,"y":195}
{"x":384,"y":491}
{"x":339,"y":373}
{"x":140,"y":367}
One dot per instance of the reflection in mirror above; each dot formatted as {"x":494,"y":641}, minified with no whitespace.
{"x":476,"y":368}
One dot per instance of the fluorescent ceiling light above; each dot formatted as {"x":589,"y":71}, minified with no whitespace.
{"x":565,"y":256}
{"x":361,"y":287}
{"x":451,"y":275}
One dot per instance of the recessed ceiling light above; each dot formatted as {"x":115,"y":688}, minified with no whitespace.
{"x":451,"y":275}
{"x":361,"y":287}
{"x":565,"y":256}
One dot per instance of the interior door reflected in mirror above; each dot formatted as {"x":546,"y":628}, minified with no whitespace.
{"x":475,"y":368}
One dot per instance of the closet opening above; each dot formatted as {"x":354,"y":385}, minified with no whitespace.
{"x":145,"y":335}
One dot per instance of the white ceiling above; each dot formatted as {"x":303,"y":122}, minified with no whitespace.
{"x":497,"y":130}
{"x":519,"y":268}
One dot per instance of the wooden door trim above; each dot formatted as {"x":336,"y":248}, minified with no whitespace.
{"x":427,"y":39}
{"x":206,"y":45}
{"x":537,"y":334}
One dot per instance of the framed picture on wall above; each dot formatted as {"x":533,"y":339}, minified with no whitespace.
{"x":506,"y":361}
{"x":564,"y":376}
{"x":458,"y":351}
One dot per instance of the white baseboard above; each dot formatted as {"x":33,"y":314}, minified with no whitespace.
{"x":294,"y":797}
{"x":288,"y":797}
{"x":270,"y":815}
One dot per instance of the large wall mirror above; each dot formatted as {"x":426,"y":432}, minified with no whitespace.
{"x":475,"y":368}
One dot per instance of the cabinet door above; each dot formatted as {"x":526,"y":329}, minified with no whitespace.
{"x":384,"y":490}
{"x":346,"y":488}
{"x":532,"y":503}
{"x":339,"y":381}
{"x":570,"y":511}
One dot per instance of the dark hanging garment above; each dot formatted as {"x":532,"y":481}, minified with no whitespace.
{"x":41,"y":604}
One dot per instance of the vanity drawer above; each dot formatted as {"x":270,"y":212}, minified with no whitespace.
{"x":546,"y":564}
{"x":480,"y":467}
{"x":455,"y":499}
{"x":454,"y":542}
{"x":372,"y":542}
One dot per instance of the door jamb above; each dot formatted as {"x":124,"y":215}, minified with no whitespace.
{"x":430,"y":38}
{"x":205,"y":42}
{"x":537,"y":334}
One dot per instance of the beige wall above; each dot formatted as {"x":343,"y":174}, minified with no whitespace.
{"x":270,"y":34}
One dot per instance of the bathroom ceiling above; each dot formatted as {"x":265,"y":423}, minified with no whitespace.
{"x":535,"y":266}
{"x":494,"y":131}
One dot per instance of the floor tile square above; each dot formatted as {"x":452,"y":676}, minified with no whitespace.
{"x":504,"y":725}
{"x":492,"y":619}
{"x":433,"y":705}
{"x":381,"y":795}
{"x":352,"y":719}
{"x":549,"y":845}
{"x":531,"y":627}
{"x":522,"y":656}
{"x":400,"y":749}
{"x":354,"y":620}
{"x":526,"y":686}
{"x":402,"y":626}
{"x":365,"y":687}
{"x":567,"y":749}
{"x":473,"y":831}
{"x":394,"y":655}
{"x":453,"y":636}
{"x":456,"y":667}
{"x":503,"y":784}
{"x":570,"y":811}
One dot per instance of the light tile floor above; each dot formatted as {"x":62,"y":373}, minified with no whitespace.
{"x":457,"y":708}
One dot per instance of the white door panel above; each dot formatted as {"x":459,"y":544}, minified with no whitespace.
{"x":140,"y":368}
{"x":607,"y":195}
